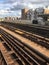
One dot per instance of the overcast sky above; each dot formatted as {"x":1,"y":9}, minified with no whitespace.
{"x":13,"y":7}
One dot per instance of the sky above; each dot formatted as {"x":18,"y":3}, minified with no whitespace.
{"x":13,"y":7}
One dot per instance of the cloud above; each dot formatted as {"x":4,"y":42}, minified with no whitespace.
{"x":9,"y":1}
{"x":13,"y":7}
{"x":3,"y":11}
{"x":36,"y":2}
{"x":29,"y":4}
{"x":18,"y":6}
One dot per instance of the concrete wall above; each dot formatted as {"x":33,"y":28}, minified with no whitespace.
{"x":25,"y":22}
{"x":19,"y":21}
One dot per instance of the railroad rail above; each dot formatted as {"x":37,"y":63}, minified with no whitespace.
{"x":33,"y":37}
{"x":21,"y":52}
{"x":40,"y":30}
{"x":2,"y":60}
{"x":30,"y":25}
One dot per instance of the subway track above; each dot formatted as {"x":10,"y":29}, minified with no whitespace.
{"x":37,"y":39}
{"x":2,"y":60}
{"x":40,"y":30}
{"x":23,"y":54}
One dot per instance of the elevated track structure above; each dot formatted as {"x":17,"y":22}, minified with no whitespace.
{"x":14,"y":50}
